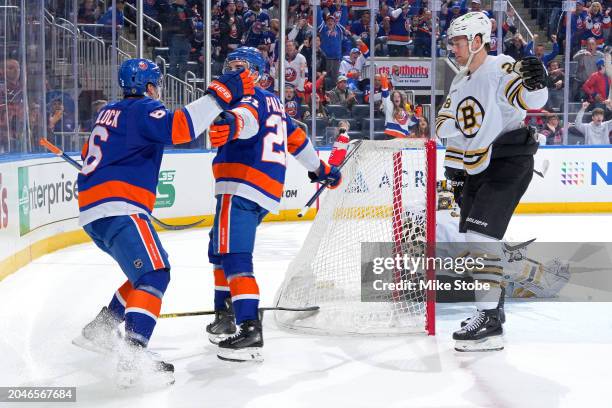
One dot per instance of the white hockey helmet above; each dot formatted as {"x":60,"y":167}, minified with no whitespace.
{"x":470,"y":25}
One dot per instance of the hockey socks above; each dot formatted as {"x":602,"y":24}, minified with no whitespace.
{"x":222,"y":288}
{"x":144,"y":304}
{"x":245,"y":297}
{"x":117,"y":303}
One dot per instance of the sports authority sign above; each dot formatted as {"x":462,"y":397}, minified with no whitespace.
{"x":406,"y":73}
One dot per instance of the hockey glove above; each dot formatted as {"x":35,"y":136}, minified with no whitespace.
{"x":225,"y":128}
{"x":229,"y":88}
{"x":532,"y":72}
{"x":326,"y":174}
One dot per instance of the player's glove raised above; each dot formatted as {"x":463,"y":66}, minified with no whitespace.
{"x":225,"y":128}
{"x":229,"y":88}
{"x":532,"y":72}
{"x":327,"y":174}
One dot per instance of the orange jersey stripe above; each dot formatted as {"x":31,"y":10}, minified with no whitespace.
{"x":224,"y":223}
{"x":117,"y":189}
{"x":243,"y":172}
{"x":394,"y":133}
{"x":250,"y":109}
{"x":144,"y":300}
{"x":220,"y":279}
{"x":243,"y":285}
{"x":180,"y":128}
{"x":295,"y":140}
{"x":149,"y":241}
{"x":125,"y":290}
{"x":396,"y":37}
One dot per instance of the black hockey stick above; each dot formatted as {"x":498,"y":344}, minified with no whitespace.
{"x":60,"y":153}
{"x":323,"y":185}
{"x":542,"y":173}
{"x":261,"y":309}
{"x":512,"y":248}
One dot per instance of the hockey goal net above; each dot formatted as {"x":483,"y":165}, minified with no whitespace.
{"x":388,"y":196}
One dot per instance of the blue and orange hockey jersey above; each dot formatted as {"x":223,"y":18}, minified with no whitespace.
{"x":253,"y":166}
{"x":122,"y":157}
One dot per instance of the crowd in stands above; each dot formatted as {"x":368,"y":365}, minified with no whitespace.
{"x":403,"y":29}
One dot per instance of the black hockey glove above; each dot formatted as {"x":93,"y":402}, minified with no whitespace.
{"x":532,"y":72}
{"x":457,"y":180}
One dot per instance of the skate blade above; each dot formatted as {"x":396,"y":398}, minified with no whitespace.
{"x":218,"y":338}
{"x":493,"y":343}
{"x":242,"y":355}
{"x":89,"y":345}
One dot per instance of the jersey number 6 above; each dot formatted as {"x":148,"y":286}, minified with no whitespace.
{"x":94,"y":152}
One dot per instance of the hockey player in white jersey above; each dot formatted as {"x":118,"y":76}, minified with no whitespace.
{"x":485,"y":109}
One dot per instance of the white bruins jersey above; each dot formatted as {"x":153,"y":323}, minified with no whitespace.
{"x":483,"y":105}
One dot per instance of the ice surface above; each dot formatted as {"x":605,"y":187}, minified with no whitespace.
{"x":556,"y":355}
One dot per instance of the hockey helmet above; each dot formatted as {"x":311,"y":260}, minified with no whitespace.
{"x":136,"y":73}
{"x":252,"y":56}
{"x":470,"y":25}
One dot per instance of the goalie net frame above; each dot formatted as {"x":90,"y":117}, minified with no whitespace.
{"x":397,"y":209}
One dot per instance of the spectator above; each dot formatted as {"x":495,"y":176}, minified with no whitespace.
{"x":455,"y":13}
{"x":241,"y":7}
{"x":476,"y":5}
{"x":515,"y":46}
{"x":336,"y":9}
{"x":11,"y":105}
{"x":535,"y":118}
{"x":555,"y":84}
{"x":377,"y":92}
{"x":422,"y":36}
{"x":296,"y":68}
{"x":341,"y":94}
{"x":259,"y":14}
{"x":274,"y":10}
{"x":552,"y":131}
{"x":88,"y":125}
{"x":360,"y":29}
{"x":87,"y":13}
{"x":260,"y":34}
{"x":597,"y":86}
{"x":293,"y":103}
{"x":596,"y":132}
{"x":422,"y":128}
{"x":382,"y":37}
{"x":107,"y":20}
{"x":180,"y":33}
{"x":539,"y":49}
{"x":596,"y":24}
{"x":586,"y":64}
{"x":320,"y":61}
{"x":321,"y":98}
{"x":352,"y":65}
{"x":397,"y":119}
{"x":331,"y":35}
{"x":399,"y":37}
{"x":231,"y":29}
{"x":578,"y":19}
{"x":301,"y":29}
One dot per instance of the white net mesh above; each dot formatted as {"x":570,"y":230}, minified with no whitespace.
{"x":382,"y":199}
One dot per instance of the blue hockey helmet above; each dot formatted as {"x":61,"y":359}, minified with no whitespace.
{"x":252,"y":56}
{"x":136,"y":73}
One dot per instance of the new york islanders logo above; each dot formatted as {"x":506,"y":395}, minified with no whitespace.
{"x":143,"y":65}
{"x":290,"y":74}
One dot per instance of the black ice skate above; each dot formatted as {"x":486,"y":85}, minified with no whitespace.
{"x":482,"y":333}
{"x":500,"y":308}
{"x":101,"y":335}
{"x":139,"y":366}
{"x":223,"y":326}
{"x":245,"y":345}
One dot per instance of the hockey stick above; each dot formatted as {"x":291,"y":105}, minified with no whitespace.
{"x":60,"y":153}
{"x":261,"y":309}
{"x":542,"y":173}
{"x":323,"y":185}
{"x":512,"y":248}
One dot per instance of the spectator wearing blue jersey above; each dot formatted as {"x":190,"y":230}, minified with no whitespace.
{"x":360,"y":29}
{"x":332,"y":35}
{"x":107,"y":20}
{"x":539,"y":49}
{"x":334,"y":8}
{"x":180,"y":30}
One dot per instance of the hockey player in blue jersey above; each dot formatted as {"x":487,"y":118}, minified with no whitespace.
{"x":253,"y":139}
{"x":117,"y":187}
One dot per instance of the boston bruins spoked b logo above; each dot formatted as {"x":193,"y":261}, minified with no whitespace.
{"x":470,"y":115}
